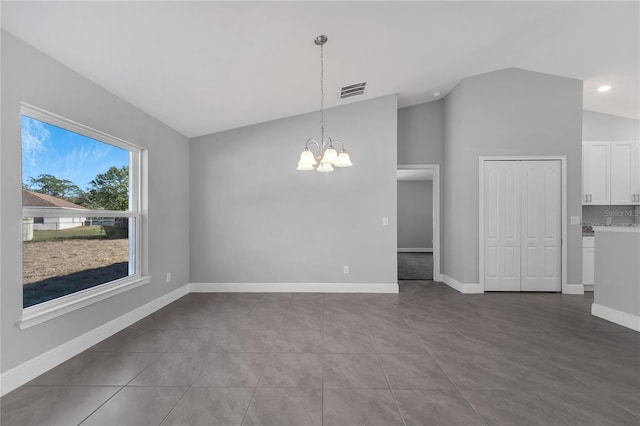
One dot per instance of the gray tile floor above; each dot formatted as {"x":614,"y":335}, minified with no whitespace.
{"x":426,"y":356}
{"x":415,"y":266}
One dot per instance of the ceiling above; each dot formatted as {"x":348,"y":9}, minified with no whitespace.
{"x":202,"y":67}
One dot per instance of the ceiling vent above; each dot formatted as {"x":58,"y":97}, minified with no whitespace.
{"x":352,"y":90}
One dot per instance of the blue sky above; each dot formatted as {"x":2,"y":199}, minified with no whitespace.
{"x":48,"y":149}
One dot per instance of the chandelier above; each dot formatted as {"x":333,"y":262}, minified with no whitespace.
{"x":327,"y":156}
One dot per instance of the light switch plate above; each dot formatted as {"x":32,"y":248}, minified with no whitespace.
{"x":385,"y":221}
{"x":575,"y":220}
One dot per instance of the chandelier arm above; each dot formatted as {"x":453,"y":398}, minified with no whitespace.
{"x":312,"y":141}
{"x":338,"y":142}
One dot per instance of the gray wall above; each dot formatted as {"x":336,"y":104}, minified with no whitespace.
{"x":508,"y":112}
{"x":421,"y":133}
{"x":255,"y":218}
{"x":415,"y":214}
{"x":605,"y":127}
{"x":32,"y":77}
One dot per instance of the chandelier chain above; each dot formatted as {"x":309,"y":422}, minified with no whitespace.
{"x":322,"y":89}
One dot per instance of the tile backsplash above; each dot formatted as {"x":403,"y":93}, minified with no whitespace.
{"x":619,"y":214}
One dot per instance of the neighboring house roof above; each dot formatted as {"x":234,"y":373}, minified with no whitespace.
{"x":35,"y":199}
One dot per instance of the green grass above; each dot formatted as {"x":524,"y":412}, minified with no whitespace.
{"x":79,"y":233}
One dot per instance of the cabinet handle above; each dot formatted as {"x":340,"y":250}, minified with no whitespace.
{"x":586,"y":198}
{"x":590,"y":197}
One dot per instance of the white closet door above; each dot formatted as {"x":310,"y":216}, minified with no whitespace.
{"x":541,"y":226}
{"x":502,"y":225}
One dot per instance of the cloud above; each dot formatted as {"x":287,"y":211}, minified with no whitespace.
{"x":83,"y":157}
{"x":35,"y":138}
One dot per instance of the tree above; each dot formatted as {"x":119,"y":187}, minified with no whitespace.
{"x":51,"y":185}
{"x":110,"y":190}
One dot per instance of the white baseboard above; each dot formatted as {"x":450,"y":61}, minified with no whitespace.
{"x":573,"y":289}
{"x":29,"y":370}
{"x":294,"y":287}
{"x":462,"y":287}
{"x":621,"y":318}
{"x":415,"y":250}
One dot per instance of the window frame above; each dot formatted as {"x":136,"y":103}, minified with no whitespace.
{"x":41,"y":312}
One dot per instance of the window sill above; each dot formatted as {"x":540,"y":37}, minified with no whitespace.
{"x":37,"y":314}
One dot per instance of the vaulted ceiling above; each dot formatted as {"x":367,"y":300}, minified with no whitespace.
{"x":202,"y":67}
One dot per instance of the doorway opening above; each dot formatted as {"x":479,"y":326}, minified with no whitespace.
{"x":419,"y":222}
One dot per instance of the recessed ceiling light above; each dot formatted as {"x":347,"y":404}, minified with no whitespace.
{"x":436,"y":93}
{"x":604,"y":88}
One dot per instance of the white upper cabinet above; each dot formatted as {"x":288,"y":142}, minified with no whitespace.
{"x":611,"y":173}
{"x":596,"y":175}
{"x":623,"y":173}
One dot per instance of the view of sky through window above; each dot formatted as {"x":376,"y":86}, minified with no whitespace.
{"x":47,"y":149}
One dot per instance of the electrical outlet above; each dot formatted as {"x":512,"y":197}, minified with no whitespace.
{"x":345,"y":268}
{"x":385,"y":221}
{"x":168,"y":277}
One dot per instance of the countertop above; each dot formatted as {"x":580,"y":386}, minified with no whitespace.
{"x":631,"y":228}
{"x":587,"y":228}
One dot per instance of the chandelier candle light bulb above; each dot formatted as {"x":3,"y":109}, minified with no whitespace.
{"x":327,"y":154}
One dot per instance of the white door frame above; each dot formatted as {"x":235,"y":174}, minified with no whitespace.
{"x":435,"y":169}
{"x":563,"y":225}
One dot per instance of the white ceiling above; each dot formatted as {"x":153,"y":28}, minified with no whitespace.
{"x":202,"y":67}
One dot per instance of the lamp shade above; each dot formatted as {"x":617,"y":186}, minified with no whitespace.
{"x":330,"y":156}
{"x":307,"y":158}
{"x":324,"y":167}
{"x":305,"y":167}
{"x":343,"y":160}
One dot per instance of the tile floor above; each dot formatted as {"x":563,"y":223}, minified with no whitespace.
{"x":426,"y":356}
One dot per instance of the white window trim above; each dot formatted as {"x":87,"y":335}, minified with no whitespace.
{"x":48,"y":310}
{"x":37,"y":314}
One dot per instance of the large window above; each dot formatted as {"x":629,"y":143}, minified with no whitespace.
{"x":80,"y":212}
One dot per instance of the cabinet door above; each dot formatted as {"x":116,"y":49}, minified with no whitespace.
{"x":623,"y":173}
{"x":595,"y":173}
